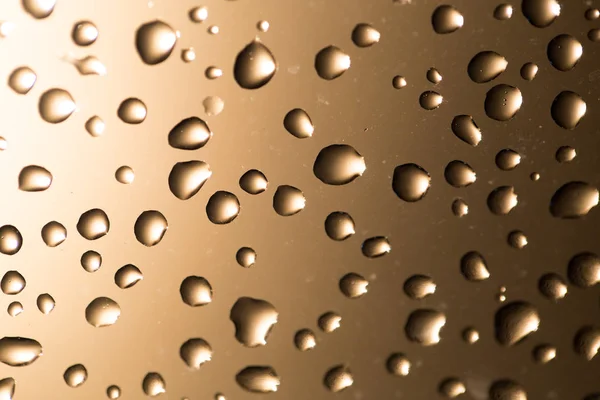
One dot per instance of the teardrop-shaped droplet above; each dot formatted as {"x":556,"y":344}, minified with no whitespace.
{"x":132,"y":111}
{"x":93,"y":224}
{"x":253,"y":319}
{"x":568,"y":109}
{"x":502,"y":102}
{"x":574,"y":200}
{"x":584,"y":269}
{"x":22,"y":79}
{"x":298,"y":123}
{"x":364,"y":35}
{"x":540,"y":13}
{"x":190,"y":134}
{"x":39,"y":9}
{"x":8,"y":387}
{"x":375,"y":247}
{"x":153,"y":384}
{"x":75,"y":375}
{"x":486,"y":66}
{"x":515,"y":321}
{"x":155,"y":41}
{"x":95,"y":126}
{"x":45,"y":303}
{"x":222,"y":207}
{"x":339,"y":164}
{"x":56,"y":105}
{"x":410,"y":182}
{"x":195,"y":352}
{"x":187,"y":178}
{"x":465,"y":128}
{"x":54,"y":233}
{"x":331,"y":62}
{"x":434,"y":76}
{"x":196,"y":291}
{"x":424,"y":326}
{"x":338,"y":378}
{"x":459,"y":174}
{"x":329,"y":321}
{"x":258,"y":379}
{"x":339,"y":226}
{"x":34,"y":178}
{"x":288,"y":200}
{"x":128,"y":276}
{"x":507,"y":159}
{"x":19,"y":351}
{"x":502,"y":200}
{"x":446,"y":19}
{"x":150,"y":228}
{"x":254,"y":66}
{"x":10,"y":240}
{"x":88,"y":65}
{"x":102,"y":312}
{"x":253,"y":182}
{"x":12,"y":283}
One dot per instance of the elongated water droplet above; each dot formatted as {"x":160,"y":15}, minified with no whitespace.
{"x":8,"y":387}
{"x":465,"y":128}
{"x":190,"y":134}
{"x":187,"y":178}
{"x":298,"y":123}
{"x":258,"y":379}
{"x":339,"y":164}
{"x":574,"y":200}
{"x":155,"y":42}
{"x":253,"y":182}
{"x":34,"y":178}
{"x":253,"y":319}
{"x":102,"y":312}
{"x":19,"y":351}
{"x":418,"y":287}
{"x":254,"y":66}
{"x":89,"y":65}
{"x":452,"y":388}
{"x":338,"y":378}
{"x":430,"y":100}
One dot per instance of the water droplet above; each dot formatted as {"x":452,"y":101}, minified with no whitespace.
{"x":125,"y":175}
{"x":19,"y":351}
{"x":339,"y":164}
{"x":584,"y":270}
{"x":507,"y":389}
{"x":10,"y":240}
{"x":127,"y":276}
{"x":553,"y":286}
{"x":567,"y":110}
{"x":398,"y":82}
{"x":150,"y":227}
{"x":410,"y":182}
{"x":470,"y":335}
{"x":544,"y":353}
{"x":565,"y":154}
{"x":364,"y":35}
{"x":253,"y":319}
{"x":502,"y":102}
{"x":155,"y":42}
{"x":430,"y":100}
{"x":89,"y":65}
{"x":564,"y":52}
{"x":190,"y":134}
{"x":592,"y":14}
{"x":6,"y":28}
{"x":102,"y":312}
{"x":587,"y":342}
{"x":45,"y":303}
{"x":91,"y":261}
{"x":540,"y":13}
{"x":305,"y":340}
{"x":474,"y":267}
{"x":501,"y":295}
{"x":502,"y":200}
{"x":12,"y":283}
{"x":517,"y":239}
{"x":222,"y":207}
{"x":594,"y":34}
{"x":93,"y":224}
{"x":418,"y":287}
{"x":574,"y":200}
{"x":398,"y":364}
{"x":515,"y":321}
{"x":39,"y":9}
{"x":187,"y":178}
{"x":331,"y":62}
{"x":503,"y":12}
{"x":253,"y":182}
{"x":34,"y":178}
{"x":377,"y":246}
{"x":338,"y":378}
{"x":353,"y":285}
{"x":529,"y":71}
{"x":329,"y":322}
{"x":246,"y":257}
{"x":15,"y":308}
{"x":3,"y":144}
{"x":452,"y":387}
{"x":213,"y":105}
{"x":434,"y":76}
{"x":486,"y":66}
{"x":84,"y":33}
{"x":198,"y":14}
{"x":95,"y":126}
{"x":288,"y":200}
{"x":465,"y":128}
{"x":22,"y":79}
{"x":424,"y":326}
{"x":258,"y":379}
{"x":113,"y":392}
{"x":7,"y":388}
{"x":298,"y":123}
{"x":54,"y":233}
{"x":195,"y":352}
{"x":262,"y":25}
{"x":213,"y":72}
{"x":56,"y":105}
{"x":213,"y":30}
{"x":75,"y":375}
{"x":132,"y":111}
{"x":254,"y":66}
{"x":196,"y":291}
{"x":339,"y":226}
{"x":459,"y":174}
{"x":188,"y":55}
{"x":446,"y":19}
{"x":507,"y":159}
{"x":153,"y":384}
{"x":460,"y":208}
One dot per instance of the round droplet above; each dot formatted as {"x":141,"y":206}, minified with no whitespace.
{"x":7,"y":388}
{"x":339,"y":164}
{"x":459,"y":174}
{"x":10,"y":240}
{"x":553,"y":286}
{"x":56,"y":105}
{"x":288,"y":200}
{"x":364,"y":35}
{"x":15,"y":308}
{"x":12,"y":283}
{"x":75,"y":375}
{"x":22,"y":79}
{"x":529,"y":71}
{"x":54,"y":233}
{"x":329,"y":322}
{"x":502,"y":102}
{"x":587,"y":342}
{"x":155,"y":42}
{"x":503,"y":12}
{"x":213,"y":105}
{"x":3,"y":144}
{"x":127,"y":276}
{"x":474,"y":267}
{"x":262,"y":25}
{"x":375,"y":247}
{"x":594,"y":34}
{"x":113,"y":392}
{"x":187,"y":178}
{"x":246,"y":257}
{"x":507,"y":159}
{"x":584,"y":269}
{"x":460,"y":208}
{"x":34,"y":178}
{"x":535,"y":176}
{"x":254,"y":66}
{"x":567,"y":110}
{"x":198,"y":14}
{"x":39,"y":9}
{"x":502,"y":200}
{"x":124,"y":175}
{"x":213,"y":30}
{"x":574,"y":200}
{"x":190,"y":134}
{"x":253,"y":182}
{"x":465,"y":128}
{"x":305,"y":340}
{"x":398,"y":82}
{"x":195,"y":352}
{"x":564,"y":52}
{"x":102,"y":312}
{"x":338,"y":378}
{"x":398,"y":364}
{"x":446,"y":19}
{"x":507,"y":390}
{"x":592,"y":14}
{"x":91,"y":261}
{"x":515,"y":321}
{"x":19,"y":351}
{"x":410,"y":182}
{"x":339,"y":226}
{"x":331,"y":62}
{"x":153,"y":384}
{"x":298,"y":123}
{"x":434,"y":76}
{"x":470,"y":335}
{"x":353,"y":285}
{"x":132,"y":111}
{"x":430,"y":100}
{"x":213,"y":72}
{"x":544,"y":353}
{"x":486,"y":66}
{"x":540,"y":13}
{"x":517,"y":239}
{"x":196,"y":291}
{"x":150,"y":228}
{"x":253,"y":319}
{"x":423,"y":326}
{"x":258,"y":379}
{"x":84,"y":33}
{"x":93,"y":224}
{"x":418,"y":287}
{"x":451,"y":388}
{"x":222,"y":207}
{"x":45,"y":303}
{"x":188,"y":55}
{"x":95,"y":126}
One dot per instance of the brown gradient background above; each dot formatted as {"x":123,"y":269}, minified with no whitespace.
{"x":298,"y":267}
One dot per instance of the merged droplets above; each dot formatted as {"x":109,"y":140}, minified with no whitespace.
{"x":502,"y":200}
{"x":544,"y":353}
{"x":253,"y":319}
{"x":465,"y":128}
{"x":253,"y":182}
{"x":45,"y":303}
{"x":153,"y":384}
{"x":39,"y":9}
{"x":338,"y":378}
{"x":540,"y":13}
{"x":150,"y":228}
{"x":474,"y":267}
{"x":102,"y":312}
{"x":56,"y":105}
{"x":125,"y":175}
{"x":195,"y":291}
{"x":398,"y":364}
{"x":329,"y":321}
{"x":553,"y":286}
{"x":187,"y":178}
{"x":503,"y":12}
{"x":567,"y":110}
{"x":305,"y":340}
{"x":507,"y":389}
{"x":364,"y":35}
{"x":515,"y":321}
{"x":452,"y":388}
{"x":587,"y":342}
{"x":459,"y":174}
{"x":507,"y":159}
{"x":353,"y":285}
{"x":375,"y":247}
{"x":12,"y":283}
{"x":446,"y":19}
{"x":288,"y":200}
{"x":22,"y":79}
{"x":34,"y":178}
{"x":84,"y":33}
{"x":410,"y":182}
{"x":19,"y":351}
{"x":75,"y":375}
{"x":584,"y":269}
{"x":10,"y":240}
{"x":502,"y":102}
{"x":222,"y":207}
{"x":430,"y":100}
{"x":574,"y":200}
{"x":91,"y":261}
{"x":195,"y":352}
{"x":155,"y":42}
{"x":564,"y":52}
{"x":254,"y":66}
{"x":529,"y":71}
{"x":95,"y":126}
{"x":89,"y":65}
{"x":331,"y":62}
{"x":298,"y":123}
{"x":93,"y":224}
{"x":246,"y":257}
{"x":486,"y":66}
{"x":258,"y":379}
{"x":339,"y":226}
{"x":132,"y":111}
{"x":339,"y":164}
{"x":128,"y":276}
{"x":418,"y":287}
{"x":423,"y":326}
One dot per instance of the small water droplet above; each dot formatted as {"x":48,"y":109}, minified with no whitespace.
{"x":253,"y":182}
{"x":190,"y":134}
{"x":470,"y":335}
{"x":213,"y":30}
{"x":353,"y":285}
{"x":253,"y":319}
{"x":574,"y":200}
{"x":102,"y":312}
{"x":188,"y":55}
{"x":567,"y":110}
{"x":451,"y":388}
{"x":95,"y":126}
{"x":132,"y":111}
{"x":486,"y":66}
{"x":187,"y":178}
{"x":298,"y":123}
{"x":213,"y":72}
{"x":540,"y":13}
{"x":460,"y":208}
{"x":19,"y":351}
{"x":22,"y":79}
{"x":564,"y":52}
{"x":258,"y":379}
{"x":245,"y":257}
{"x":93,"y":224}
{"x":434,"y":76}
{"x":54,"y":233}
{"x":502,"y":102}
{"x":398,"y":82}
{"x":288,"y":200}
{"x":515,"y":321}
{"x":198,"y":14}
{"x":544,"y":353}
{"x":196,"y":291}
{"x":222,"y":207}
{"x":263,"y":25}
{"x":39,"y":9}
{"x":553,"y":286}
{"x":84,"y":33}
{"x":375,"y":247}
{"x":153,"y":384}
{"x":465,"y":128}
{"x":254,"y":66}
{"x":45,"y":303}
{"x":195,"y":352}
{"x":594,"y":35}
{"x":398,"y":364}
{"x":418,"y":287}
{"x":15,"y":308}
{"x":339,"y":226}
{"x":6,"y":28}
{"x":12,"y":283}
{"x":364,"y":35}
{"x":507,"y":389}
{"x":446,"y":19}
{"x":584,"y":269}
{"x":305,"y":340}
{"x":125,"y":175}
{"x":113,"y":392}
{"x":128,"y":276}
{"x":56,"y":105}
{"x":155,"y":42}
{"x":213,"y":105}
{"x":329,"y":321}
{"x":529,"y":71}
{"x":503,"y":12}
{"x":517,"y":239}
{"x":339,"y":164}
{"x":430,"y":100}
{"x":75,"y":375}
{"x":459,"y":174}
{"x":587,"y":342}
{"x":331,"y":62}
{"x":474,"y":267}
{"x":91,"y":261}
{"x":410,"y":182}
{"x":338,"y":378}
{"x":502,"y":200}
{"x":150,"y":228}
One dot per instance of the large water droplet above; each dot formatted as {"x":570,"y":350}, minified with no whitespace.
{"x":12,"y":283}
{"x":305,"y":340}
{"x":187,"y":178}
{"x":338,"y":164}
{"x":452,"y":388}
{"x":353,"y":285}
{"x":587,"y":342}
{"x":446,"y":19}
{"x":338,"y":378}
{"x":253,"y":182}
{"x":486,"y":66}
{"x":331,"y":62}
{"x":465,"y":128}
{"x":75,"y":375}
{"x":298,"y":123}
{"x":54,"y":233}
{"x":195,"y":352}
{"x":502,"y":200}
{"x":364,"y":35}
{"x":196,"y":291}
{"x":410,"y":182}
{"x":329,"y":321}
{"x":45,"y":303}
{"x":153,"y":384}
{"x":19,"y":351}
{"x":22,"y":79}
{"x":93,"y":224}
{"x":584,"y":269}
{"x":84,"y":33}
{"x":574,"y":200}
{"x":34,"y":178}
{"x":222,"y":207}
{"x":423,"y":326}
{"x":258,"y":379}
{"x":502,"y":102}
{"x":567,"y":110}
{"x":128,"y":276}
{"x":39,"y":9}
{"x":132,"y":111}
{"x":564,"y":52}
{"x":254,"y":66}
{"x":398,"y":364}
{"x":155,"y":42}
{"x":253,"y":319}
{"x":102,"y":312}
{"x":150,"y":228}
{"x":377,"y":246}
{"x":339,"y":226}
{"x":56,"y":105}
{"x":288,"y":200}
{"x":540,"y":13}
{"x":506,"y":389}
{"x":515,"y":321}
{"x":459,"y":174}
{"x":418,"y":287}
{"x":190,"y":134}
{"x":10,"y":240}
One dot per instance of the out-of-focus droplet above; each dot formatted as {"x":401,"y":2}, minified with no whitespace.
{"x":470,"y":335}
{"x":398,"y":364}
{"x":430,"y":100}
{"x":507,"y":389}
{"x":128,"y":276}
{"x":187,"y":178}
{"x":12,"y":283}
{"x":75,"y":375}
{"x":587,"y":342}
{"x":459,"y":174}
{"x":113,"y":392}
{"x":195,"y":352}
{"x":45,"y":303}
{"x":288,"y":200}
{"x":594,"y":34}
{"x":7,"y":388}
{"x":91,"y":261}
{"x":410,"y":182}
{"x":102,"y":312}
{"x":507,"y":159}
{"x":93,"y":224}
{"x":398,"y":82}
{"x":263,"y":25}
{"x":258,"y":379}
{"x":6,"y":28}
{"x":22,"y":79}
{"x":353,"y":285}
{"x":34,"y":178}
{"x":446,"y":19}
{"x":544,"y":353}
{"x":331,"y":62}
{"x":529,"y":71}
{"x":502,"y":200}
{"x":54,"y":233}
{"x":213,"y":105}
{"x":451,"y":388}
{"x":434,"y":76}
{"x":517,"y":239}
{"x":190,"y":134}
{"x":125,"y":175}
{"x":503,"y":12}
{"x":364,"y":35}
{"x":188,"y":55}
{"x":553,"y":286}
{"x":298,"y":123}
{"x":339,"y":226}
{"x":56,"y":105}
{"x":486,"y":66}
{"x":15,"y":308}
{"x":375,"y":247}
{"x":253,"y":182}
{"x":88,"y":65}
{"x":568,"y":109}
{"x":155,"y":41}
{"x":540,"y":13}
{"x":305,"y":340}
{"x":153,"y":384}
{"x":253,"y":319}
{"x":574,"y":200}
{"x":10,"y":240}
{"x":515,"y":321}
{"x":474,"y":267}
{"x":84,"y":33}
{"x":19,"y":351}
{"x":338,"y":378}
{"x":132,"y":111}
{"x":254,"y":66}
{"x":150,"y":228}
{"x":246,"y":257}
{"x":196,"y":291}
{"x":3,"y":144}
{"x":418,"y":287}
{"x":592,"y":14}
{"x":502,"y":102}
{"x":222,"y":207}
{"x":565,"y":154}
{"x":584,"y":269}
{"x":465,"y":128}
{"x":423,"y":326}
{"x":213,"y":30}
{"x":564,"y":52}
{"x":460,"y":208}
{"x":39,"y":9}
{"x":198,"y":14}
{"x":339,"y":164}
{"x":95,"y":126}
{"x":213,"y":72}
{"x":329,"y":321}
